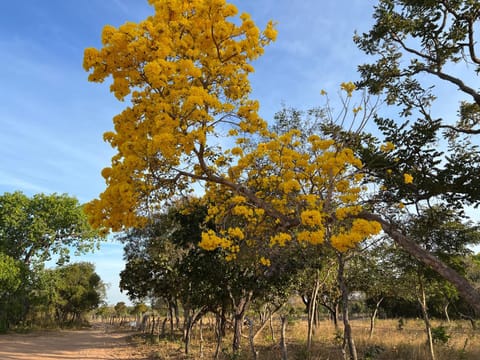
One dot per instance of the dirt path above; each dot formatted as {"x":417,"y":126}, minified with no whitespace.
{"x":95,"y":343}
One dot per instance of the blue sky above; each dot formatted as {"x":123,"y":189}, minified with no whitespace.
{"x":52,"y":119}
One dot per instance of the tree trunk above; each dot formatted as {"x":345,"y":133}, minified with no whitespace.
{"x":422,"y":299}
{"x":201,"y":338}
{"x":251,"y":337}
{"x":347,"y":336}
{"x":170,"y":315}
{"x":239,"y":312}
{"x":312,"y":309}
{"x":220,"y":332}
{"x":283,"y":343}
{"x":332,"y":312}
{"x":267,"y":320}
{"x":176,"y":312}
{"x":373,"y":316}
{"x":445,"y":310}
{"x":191,"y":317}
{"x":464,"y":288}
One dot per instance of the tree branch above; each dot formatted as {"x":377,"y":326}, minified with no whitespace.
{"x":461,"y":85}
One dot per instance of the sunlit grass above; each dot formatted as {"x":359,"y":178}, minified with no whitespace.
{"x":388,"y":342}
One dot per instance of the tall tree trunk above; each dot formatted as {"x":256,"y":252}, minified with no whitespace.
{"x":170,"y":315}
{"x":220,"y":327}
{"x":239,"y":307}
{"x":312,"y":309}
{"x":272,"y":330}
{"x":373,"y":316}
{"x":191,"y":317}
{"x":422,"y":299}
{"x":201,"y":338}
{"x":251,"y":337}
{"x":464,"y":288}
{"x":176,"y":312}
{"x":283,"y":342}
{"x":347,"y":332}
{"x":445,"y":310}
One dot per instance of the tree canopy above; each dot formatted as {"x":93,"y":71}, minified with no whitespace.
{"x":32,"y":229}
{"x":185,"y":72}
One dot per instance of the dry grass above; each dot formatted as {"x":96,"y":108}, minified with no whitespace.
{"x":388,"y":343}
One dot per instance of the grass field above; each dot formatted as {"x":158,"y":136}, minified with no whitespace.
{"x":388,"y":343}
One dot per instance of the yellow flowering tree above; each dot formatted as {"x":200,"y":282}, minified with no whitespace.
{"x":185,"y":72}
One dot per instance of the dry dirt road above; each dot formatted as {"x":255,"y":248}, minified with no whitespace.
{"x":89,"y":344}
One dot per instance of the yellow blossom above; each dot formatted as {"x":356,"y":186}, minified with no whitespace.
{"x":357,"y":109}
{"x":387,"y":147}
{"x":236,"y":232}
{"x":280,"y":239}
{"x":264,"y":261}
{"x":311,"y":217}
{"x":407,"y":178}
{"x":348,"y":87}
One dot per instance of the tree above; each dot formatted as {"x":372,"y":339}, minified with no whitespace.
{"x":80,"y":290}
{"x":189,"y":92}
{"x":191,"y":85}
{"x":416,"y":38}
{"x":121,"y":311}
{"x":33,"y":229}
{"x":419,"y":44}
{"x":185,"y":71}
{"x":373,"y":272}
{"x":12,"y":274}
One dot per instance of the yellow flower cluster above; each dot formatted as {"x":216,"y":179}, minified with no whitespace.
{"x":407,"y":178}
{"x":311,"y":237}
{"x":242,"y":210}
{"x":265,"y":261}
{"x":359,"y":231}
{"x":342,"y":213}
{"x":357,"y":109}
{"x":280,"y":239}
{"x":236,"y":232}
{"x":348,"y":87}
{"x":182,"y":68}
{"x":311,"y":218}
{"x":387,"y":147}
{"x":210,"y":241}
{"x":185,"y":70}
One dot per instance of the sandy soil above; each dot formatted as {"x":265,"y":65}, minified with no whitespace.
{"x":97,"y":343}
